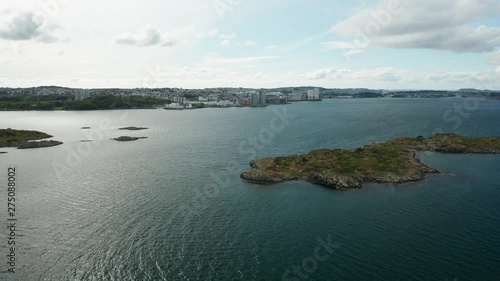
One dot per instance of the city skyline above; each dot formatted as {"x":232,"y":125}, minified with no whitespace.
{"x":225,"y":43}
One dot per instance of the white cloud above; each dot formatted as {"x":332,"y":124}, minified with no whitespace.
{"x":226,"y":39}
{"x":29,"y":26}
{"x":319,"y":74}
{"x":487,"y":79}
{"x":212,"y":59}
{"x":426,"y":24}
{"x":271,"y":47}
{"x":352,"y":53}
{"x":227,"y":36}
{"x":221,"y":72}
{"x":5,"y":11}
{"x":213,"y":33}
{"x":250,"y":43}
{"x":493,"y":57}
{"x":152,"y":36}
{"x":349,"y":49}
{"x":377,"y":74}
{"x":210,"y":34}
{"x":481,"y":78}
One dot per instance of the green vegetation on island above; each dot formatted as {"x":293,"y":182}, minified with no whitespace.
{"x":23,"y":139}
{"x":386,"y":162}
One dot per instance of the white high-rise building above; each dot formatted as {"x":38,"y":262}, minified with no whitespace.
{"x":262,"y":97}
{"x":313,"y":94}
{"x":82,"y":94}
{"x":255,"y":99}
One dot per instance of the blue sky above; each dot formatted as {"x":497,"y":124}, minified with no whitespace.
{"x":383,"y":44}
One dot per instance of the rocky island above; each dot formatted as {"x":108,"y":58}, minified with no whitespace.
{"x":39,"y":144}
{"x":385,"y":162}
{"x":23,"y":139}
{"x":126,"y":138}
{"x":133,"y":128}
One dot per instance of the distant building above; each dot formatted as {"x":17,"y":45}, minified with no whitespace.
{"x":255,"y":99}
{"x":213,"y":97}
{"x":296,"y":91}
{"x":262,"y":97}
{"x":240,"y":101}
{"x":178,"y":99}
{"x":295,"y":97}
{"x":276,"y":98}
{"x":177,"y":106}
{"x":313,"y":95}
{"x":82,"y":94}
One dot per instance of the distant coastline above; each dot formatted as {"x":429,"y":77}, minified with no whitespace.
{"x":58,"y":98}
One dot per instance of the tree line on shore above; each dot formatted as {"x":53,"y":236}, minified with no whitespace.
{"x":66,"y":102}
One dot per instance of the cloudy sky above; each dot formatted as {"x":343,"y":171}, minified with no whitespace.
{"x":386,"y":44}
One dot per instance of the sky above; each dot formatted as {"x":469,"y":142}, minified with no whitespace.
{"x":378,"y":44}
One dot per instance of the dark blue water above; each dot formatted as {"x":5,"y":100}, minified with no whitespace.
{"x":172,"y":207}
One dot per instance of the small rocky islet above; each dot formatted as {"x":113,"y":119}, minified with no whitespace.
{"x":28,"y":139}
{"x":392,"y":161}
{"x":132,"y":128}
{"x":127,"y":138}
{"x":25,"y":139}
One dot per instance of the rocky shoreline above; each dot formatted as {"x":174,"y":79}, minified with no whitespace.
{"x":387,"y":162}
{"x":39,"y":144}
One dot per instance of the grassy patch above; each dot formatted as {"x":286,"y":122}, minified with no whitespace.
{"x":9,"y":135}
